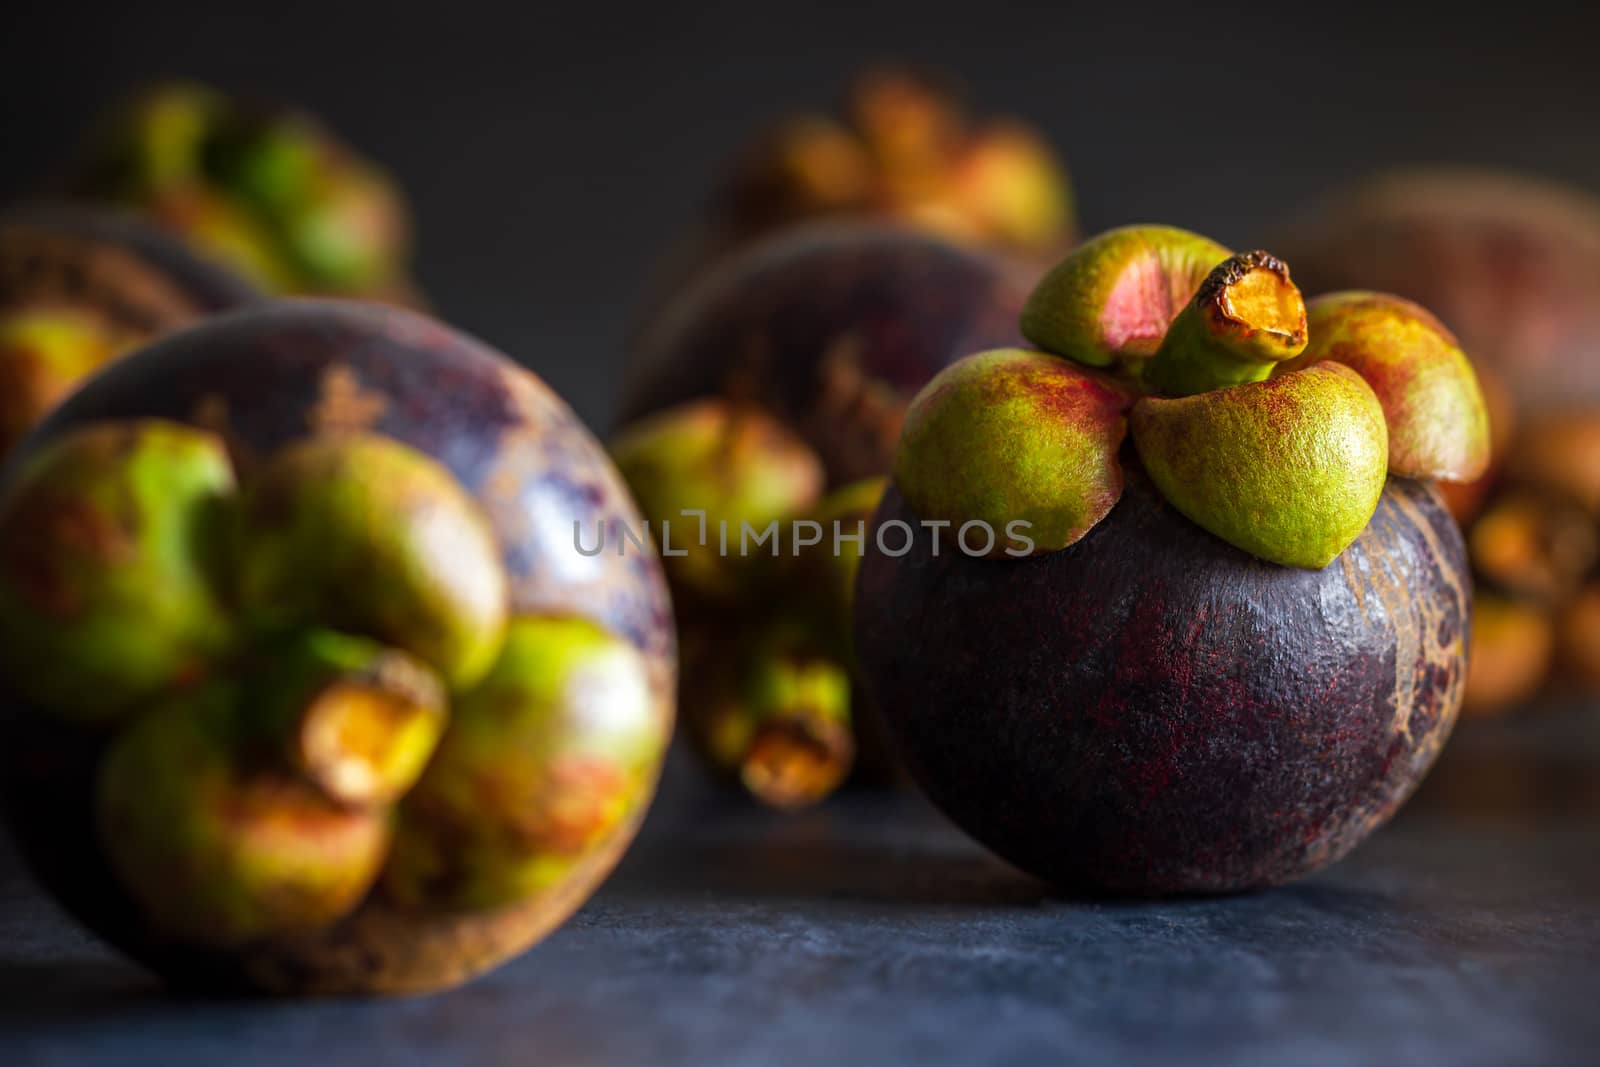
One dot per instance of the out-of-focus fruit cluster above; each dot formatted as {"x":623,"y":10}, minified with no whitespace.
{"x":185,"y":202}
{"x":766,"y":679}
{"x":847,"y":256}
{"x":772,"y":393}
{"x":268,"y":191}
{"x":306,"y":695}
{"x":1512,"y":265}
{"x":80,"y":288}
{"x":902,"y":146}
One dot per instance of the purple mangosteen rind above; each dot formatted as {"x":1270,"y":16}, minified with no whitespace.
{"x":263,"y":378}
{"x":1152,"y":711}
{"x":831,"y":326}
{"x":78,"y":289}
{"x":1234,"y":644}
{"x":210,"y":286}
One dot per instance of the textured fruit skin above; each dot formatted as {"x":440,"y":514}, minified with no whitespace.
{"x":1246,"y":318}
{"x":1013,"y":435}
{"x":264,"y":377}
{"x":1437,"y":415}
{"x":1109,"y":303}
{"x":1511,"y":264}
{"x":1288,"y":469}
{"x":833,"y":327}
{"x":1152,"y":711}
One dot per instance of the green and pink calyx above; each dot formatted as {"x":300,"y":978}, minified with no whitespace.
{"x":1438,"y":422}
{"x":1271,"y":424}
{"x":1009,"y":436}
{"x":1109,"y":303}
{"x":309,"y":681}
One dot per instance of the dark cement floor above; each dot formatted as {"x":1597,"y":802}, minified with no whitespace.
{"x":870,"y":932}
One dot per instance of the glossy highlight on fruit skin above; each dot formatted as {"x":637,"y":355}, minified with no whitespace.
{"x":1153,"y":711}
{"x":1436,"y":412}
{"x":1289,"y":469}
{"x":1014,"y":436}
{"x":107,"y":574}
{"x":268,"y":378}
{"x":1110,"y":302}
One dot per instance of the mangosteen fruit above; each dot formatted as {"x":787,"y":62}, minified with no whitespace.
{"x":267,"y":189}
{"x":1159,"y":612}
{"x":78,"y":288}
{"x":1511,"y":263}
{"x":759,"y":418}
{"x":312,"y":687}
{"x":900,"y":146}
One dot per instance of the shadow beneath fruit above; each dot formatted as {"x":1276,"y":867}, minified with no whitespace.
{"x":874,"y":847}
{"x":38,"y":994}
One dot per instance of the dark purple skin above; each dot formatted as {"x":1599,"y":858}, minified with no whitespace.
{"x":1153,"y":711}
{"x":832,"y":326}
{"x":212,"y":287}
{"x":266,"y":376}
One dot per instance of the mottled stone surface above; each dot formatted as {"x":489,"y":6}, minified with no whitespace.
{"x":870,"y":932}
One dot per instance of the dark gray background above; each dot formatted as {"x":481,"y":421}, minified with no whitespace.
{"x":552,"y":153}
{"x":551,"y":158}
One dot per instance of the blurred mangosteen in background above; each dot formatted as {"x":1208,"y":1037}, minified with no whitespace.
{"x":1511,"y":264}
{"x":79,"y":288}
{"x":771,"y":390}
